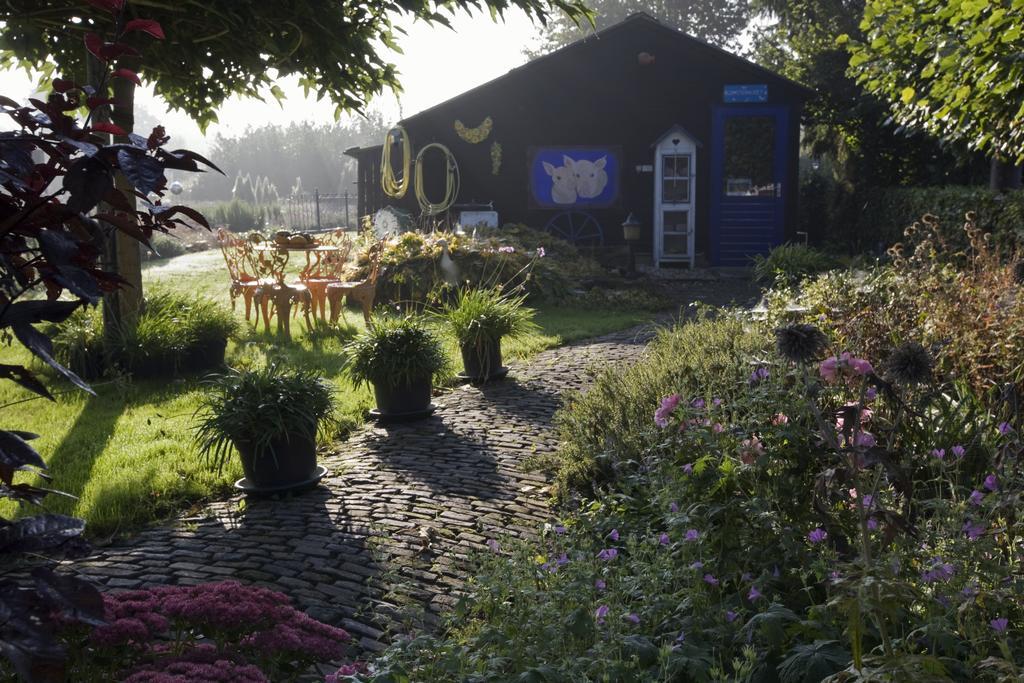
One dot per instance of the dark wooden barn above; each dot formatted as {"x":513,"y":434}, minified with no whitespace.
{"x":699,"y":145}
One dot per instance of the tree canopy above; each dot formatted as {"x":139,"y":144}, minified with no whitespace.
{"x":215,"y":49}
{"x":717,"y":21}
{"x":952,"y":68}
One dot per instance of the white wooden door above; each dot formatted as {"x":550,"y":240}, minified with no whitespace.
{"x":674,"y":172}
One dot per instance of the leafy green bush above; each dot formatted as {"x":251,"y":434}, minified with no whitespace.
{"x":792,"y":263}
{"x":884,"y":213}
{"x":260,"y":406}
{"x":175,"y":332}
{"x":168,"y":246}
{"x":607,"y":427}
{"x":814,"y":521}
{"x":483,"y":316}
{"x":394,"y":351}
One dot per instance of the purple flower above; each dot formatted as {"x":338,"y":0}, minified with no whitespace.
{"x":817,"y":535}
{"x":939,"y":571}
{"x":633,"y":617}
{"x":559,"y":529}
{"x":938,"y":453}
{"x":992,"y":482}
{"x":698,"y":403}
{"x":681,"y":637}
{"x":601,"y":612}
{"x":730,"y":616}
{"x":957,"y":451}
{"x":871,"y":394}
{"x":614,"y":534}
{"x":999,"y":625}
{"x":754,"y":594}
{"x":716,"y":402}
{"x":608,"y":554}
{"x":668,"y":404}
{"x":976,"y":497}
{"x":692,"y":535}
{"x":1005,"y":428}
{"x":868,"y":501}
{"x":600,"y":584}
{"x":758,"y":375}
{"x":710,"y":580}
{"x":540,"y":252}
{"x":872,"y":524}
{"x":562,"y":561}
{"x":969,"y":591}
{"x":775,"y":572}
{"x":973,"y":530}
{"x":687,"y":468}
{"x":673,"y":507}
{"x":697,"y":565}
{"x":493,"y":545}
{"x":663,"y":538}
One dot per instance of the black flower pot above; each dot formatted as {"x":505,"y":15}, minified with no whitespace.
{"x":410,"y":399}
{"x":287,"y":461}
{"x":482,"y":362}
{"x":205,"y":355}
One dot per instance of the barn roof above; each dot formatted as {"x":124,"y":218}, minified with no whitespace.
{"x":633,"y":20}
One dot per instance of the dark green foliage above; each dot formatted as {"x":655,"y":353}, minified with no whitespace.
{"x":173,"y":334}
{"x":484,"y":316}
{"x":608,"y":427}
{"x":394,"y":351}
{"x":259,"y":406}
{"x":791,"y":263}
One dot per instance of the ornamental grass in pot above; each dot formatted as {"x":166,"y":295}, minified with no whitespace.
{"x":399,"y":357}
{"x":480,"y":318}
{"x":271,"y":417}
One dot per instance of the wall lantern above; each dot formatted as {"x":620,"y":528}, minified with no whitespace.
{"x":631,"y":228}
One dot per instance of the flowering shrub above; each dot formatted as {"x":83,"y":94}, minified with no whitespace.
{"x":822,"y":515}
{"x":210,"y":632}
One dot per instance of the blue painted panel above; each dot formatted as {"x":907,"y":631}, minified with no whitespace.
{"x":574,"y":177}
{"x":734,"y":94}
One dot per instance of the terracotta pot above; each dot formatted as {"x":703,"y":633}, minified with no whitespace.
{"x":481,"y":361}
{"x":287,"y":460}
{"x":402,"y":399}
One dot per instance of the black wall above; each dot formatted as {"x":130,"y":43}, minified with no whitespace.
{"x":596,"y":92}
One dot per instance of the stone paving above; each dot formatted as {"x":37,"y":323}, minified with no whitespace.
{"x":379,"y":547}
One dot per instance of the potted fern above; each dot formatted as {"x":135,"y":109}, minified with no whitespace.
{"x":272,"y":418}
{"x":399,"y":357}
{"x":480,"y":319}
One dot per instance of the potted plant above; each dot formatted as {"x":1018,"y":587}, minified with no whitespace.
{"x":272,"y":418}
{"x":480,"y":318}
{"x":399,"y":356}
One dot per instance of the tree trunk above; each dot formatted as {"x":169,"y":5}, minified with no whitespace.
{"x":121,"y":252}
{"x":1003,"y":176}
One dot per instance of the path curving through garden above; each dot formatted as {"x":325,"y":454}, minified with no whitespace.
{"x":380,"y":547}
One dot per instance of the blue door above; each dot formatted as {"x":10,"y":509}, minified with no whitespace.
{"x":748,"y":167}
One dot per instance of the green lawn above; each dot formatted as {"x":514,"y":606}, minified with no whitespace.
{"x":127,"y":453}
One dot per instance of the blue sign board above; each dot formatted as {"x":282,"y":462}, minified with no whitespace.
{"x":571,"y":177}
{"x":745,"y":93}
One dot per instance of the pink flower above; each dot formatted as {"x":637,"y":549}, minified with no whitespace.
{"x":817,"y":535}
{"x":845,"y":366}
{"x":506,"y":250}
{"x":540,"y":252}
{"x":717,"y":428}
{"x":668,"y":404}
{"x":780,"y":419}
{"x":750,"y":450}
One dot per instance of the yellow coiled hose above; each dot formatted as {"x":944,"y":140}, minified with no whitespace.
{"x":452,"y":180}
{"x":391,"y":186}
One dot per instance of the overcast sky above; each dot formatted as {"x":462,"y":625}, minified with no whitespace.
{"x":437,"y":64}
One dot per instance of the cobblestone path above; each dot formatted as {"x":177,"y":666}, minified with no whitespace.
{"x":378,"y":546}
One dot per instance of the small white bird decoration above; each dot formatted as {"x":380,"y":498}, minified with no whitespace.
{"x":448,"y":267}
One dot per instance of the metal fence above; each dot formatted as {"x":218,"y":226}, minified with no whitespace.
{"x":309,"y":211}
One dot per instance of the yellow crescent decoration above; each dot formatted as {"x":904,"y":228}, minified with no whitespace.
{"x":474,"y":135}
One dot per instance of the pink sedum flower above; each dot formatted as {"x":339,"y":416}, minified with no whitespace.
{"x":664,"y":411}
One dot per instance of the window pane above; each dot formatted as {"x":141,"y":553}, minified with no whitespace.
{"x":749,"y":156}
{"x":675,"y":190}
{"x":676,"y":221}
{"x":683,"y":166}
{"x":676,"y":245}
{"x":668,"y":168}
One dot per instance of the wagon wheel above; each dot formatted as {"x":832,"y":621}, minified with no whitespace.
{"x":576,"y":227}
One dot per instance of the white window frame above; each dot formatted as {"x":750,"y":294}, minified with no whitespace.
{"x":674,"y":143}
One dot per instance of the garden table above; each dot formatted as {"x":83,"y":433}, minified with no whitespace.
{"x":281,"y":252}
